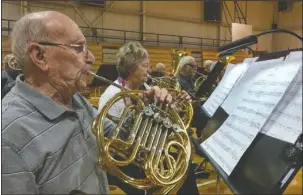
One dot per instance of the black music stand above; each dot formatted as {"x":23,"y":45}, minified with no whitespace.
{"x":211,"y":79}
{"x":107,"y":71}
{"x":268,"y":165}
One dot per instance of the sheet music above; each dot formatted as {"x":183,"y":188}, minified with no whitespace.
{"x":228,"y":69}
{"x":285,"y":123}
{"x":250,"y":60}
{"x":229,"y":79}
{"x":227,"y":145}
{"x":245,"y":81}
{"x":294,"y":55}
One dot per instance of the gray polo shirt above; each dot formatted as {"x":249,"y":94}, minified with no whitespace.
{"x":47,"y":148}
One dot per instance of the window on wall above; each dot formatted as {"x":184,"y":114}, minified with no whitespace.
{"x":99,"y":3}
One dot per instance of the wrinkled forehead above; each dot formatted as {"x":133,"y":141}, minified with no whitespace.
{"x":64,"y":30}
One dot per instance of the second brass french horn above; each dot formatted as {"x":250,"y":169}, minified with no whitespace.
{"x":171,"y":83}
{"x":199,"y":81}
{"x":12,"y":63}
{"x":154,"y":139}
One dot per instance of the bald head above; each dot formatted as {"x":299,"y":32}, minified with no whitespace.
{"x":42,"y":26}
{"x":52,"y":51}
{"x":160,"y":67}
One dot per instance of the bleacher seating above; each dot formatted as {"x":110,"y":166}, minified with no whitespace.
{"x":96,"y":49}
{"x":105,"y":53}
{"x":6,"y":47}
{"x":158,"y":55}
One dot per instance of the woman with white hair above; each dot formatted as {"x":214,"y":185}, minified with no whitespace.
{"x":133,"y":67}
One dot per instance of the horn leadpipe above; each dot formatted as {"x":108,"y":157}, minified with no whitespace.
{"x":106,"y":80}
{"x":121,"y":87}
{"x":111,"y":82}
{"x":198,"y":73}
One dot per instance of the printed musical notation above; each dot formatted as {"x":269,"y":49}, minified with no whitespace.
{"x":294,"y":55}
{"x":247,"y":80}
{"x":229,"y":79}
{"x":228,"y":144}
{"x":250,"y":60}
{"x":285,"y":123}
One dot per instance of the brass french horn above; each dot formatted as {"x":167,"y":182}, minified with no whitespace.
{"x":171,"y":83}
{"x":199,"y":81}
{"x":12,"y":63}
{"x":154,"y":139}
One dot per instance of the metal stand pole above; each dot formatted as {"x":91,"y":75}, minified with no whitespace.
{"x":218,"y":185}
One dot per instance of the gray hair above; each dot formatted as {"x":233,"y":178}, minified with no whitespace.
{"x":185,"y":60}
{"x":129,"y":56}
{"x":29,"y":28}
{"x":207,"y":63}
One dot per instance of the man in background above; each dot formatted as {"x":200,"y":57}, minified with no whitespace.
{"x":160,"y":70}
{"x":207,"y":67}
{"x":8,"y":75}
{"x":188,"y":69}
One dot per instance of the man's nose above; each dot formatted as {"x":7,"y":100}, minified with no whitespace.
{"x":90,"y":58}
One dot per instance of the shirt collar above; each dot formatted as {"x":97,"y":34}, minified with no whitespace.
{"x":43,"y":103}
{"x":189,"y":78}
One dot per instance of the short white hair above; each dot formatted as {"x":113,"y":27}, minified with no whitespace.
{"x":207,"y":63}
{"x":185,"y":60}
{"x":129,"y":56}
{"x":30,"y":28}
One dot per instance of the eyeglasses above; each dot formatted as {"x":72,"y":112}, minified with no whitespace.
{"x":76,"y":47}
{"x":191,"y":65}
{"x":146,"y":65}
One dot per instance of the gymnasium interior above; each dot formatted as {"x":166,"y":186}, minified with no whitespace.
{"x":200,"y":29}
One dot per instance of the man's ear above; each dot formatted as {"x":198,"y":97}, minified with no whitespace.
{"x":37,"y":55}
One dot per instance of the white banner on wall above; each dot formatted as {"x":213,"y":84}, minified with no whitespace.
{"x":240,"y":30}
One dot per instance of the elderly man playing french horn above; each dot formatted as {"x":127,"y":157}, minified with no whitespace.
{"x":47,"y":143}
{"x":188,"y":69}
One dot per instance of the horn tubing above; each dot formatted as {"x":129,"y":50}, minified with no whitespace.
{"x":106,"y":80}
{"x":199,"y":73}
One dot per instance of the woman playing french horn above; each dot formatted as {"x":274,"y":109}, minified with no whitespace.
{"x":133,"y":66}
